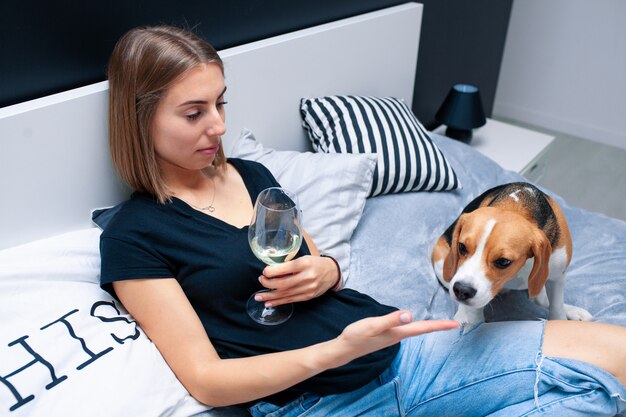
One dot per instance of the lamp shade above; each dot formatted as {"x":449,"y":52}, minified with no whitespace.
{"x":462,"y":111}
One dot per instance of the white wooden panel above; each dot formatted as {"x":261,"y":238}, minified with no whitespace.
{"x":54,"y":164}
{"x":54,"y":160}
{"x":371,"y":54}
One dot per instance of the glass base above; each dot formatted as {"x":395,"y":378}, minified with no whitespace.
{"x":268,"y":316}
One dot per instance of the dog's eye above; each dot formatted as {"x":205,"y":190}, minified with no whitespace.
{"x":462,"y":249}
{"x":502,"y":263}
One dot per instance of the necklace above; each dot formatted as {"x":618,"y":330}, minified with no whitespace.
{"x":210,"y":207}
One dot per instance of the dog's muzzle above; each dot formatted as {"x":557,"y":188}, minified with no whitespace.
{"x":463,"y":292}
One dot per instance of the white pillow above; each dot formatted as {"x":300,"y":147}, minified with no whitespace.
{"x":87,"y":356}
{"x":331,"y":190}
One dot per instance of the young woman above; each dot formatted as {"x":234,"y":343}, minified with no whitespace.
{"x":176,"y":255}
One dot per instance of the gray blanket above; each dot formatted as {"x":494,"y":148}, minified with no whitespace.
{"x":391,"y":247}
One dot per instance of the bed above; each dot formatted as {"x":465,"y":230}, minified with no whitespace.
{"x":67,"y":348}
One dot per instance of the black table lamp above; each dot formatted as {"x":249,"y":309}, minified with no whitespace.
{"x":461,"y":111}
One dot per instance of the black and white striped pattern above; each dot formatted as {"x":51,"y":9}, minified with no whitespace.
{"x":407,"y":158}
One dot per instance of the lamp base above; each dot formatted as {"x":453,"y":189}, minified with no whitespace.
{"x":461,"y":135}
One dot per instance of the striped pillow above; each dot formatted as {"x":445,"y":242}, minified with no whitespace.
{"x":407,"y":158}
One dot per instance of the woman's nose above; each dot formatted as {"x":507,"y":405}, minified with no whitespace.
{"x":216,"y":125}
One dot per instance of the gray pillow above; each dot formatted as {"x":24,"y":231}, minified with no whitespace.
{"x":331,"y":190}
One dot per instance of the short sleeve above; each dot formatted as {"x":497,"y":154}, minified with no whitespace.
{"x":258,"y":177}
{"x":271,"y":180}
{"x":121,"y":260}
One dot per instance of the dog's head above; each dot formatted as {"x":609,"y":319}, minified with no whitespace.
{"x":489,"y":246}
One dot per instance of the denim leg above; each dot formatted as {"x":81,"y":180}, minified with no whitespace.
{"x":571,"y":388}
{"x":376,"y":399}
{"x":497,"y":369}
{"x":494,"y":369}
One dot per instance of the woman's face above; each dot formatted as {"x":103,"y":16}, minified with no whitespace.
{"x":189,"y":121}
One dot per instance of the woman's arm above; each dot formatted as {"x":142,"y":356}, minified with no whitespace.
{"x":164,"y":313}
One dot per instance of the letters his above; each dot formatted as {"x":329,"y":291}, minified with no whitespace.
{"x":101,"y":307}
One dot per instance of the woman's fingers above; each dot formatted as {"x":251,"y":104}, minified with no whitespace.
{"x":299,"y":280}
{"x":377,"y":325}
{"x":278,"y":283}
{"x":391,"y":328}
{"x":289,"y":289}
{"x":429,"y":326}
{"x":285,"y":268}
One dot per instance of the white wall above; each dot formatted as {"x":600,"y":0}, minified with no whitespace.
{"x":564,"y":68}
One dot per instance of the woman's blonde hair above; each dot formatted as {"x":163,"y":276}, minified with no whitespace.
{"x":145,"y":62}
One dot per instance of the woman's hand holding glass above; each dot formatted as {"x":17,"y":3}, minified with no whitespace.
{"x":275,"y":236}
{"x":298,"y":280}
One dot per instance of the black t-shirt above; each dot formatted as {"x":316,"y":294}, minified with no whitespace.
{"x":218,"y":272}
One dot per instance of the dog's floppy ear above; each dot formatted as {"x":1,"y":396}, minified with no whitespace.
{"x":541,"y":249}
{"x":451,"y":262}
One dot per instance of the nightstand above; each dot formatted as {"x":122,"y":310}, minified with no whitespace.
{"x":514,"y":148}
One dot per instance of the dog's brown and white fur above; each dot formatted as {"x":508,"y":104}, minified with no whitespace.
{"x":511,"y":237}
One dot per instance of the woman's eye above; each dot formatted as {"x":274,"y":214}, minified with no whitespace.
{"x":193,"y":116}
{"x":502,"y":263}
{"x":462,"y":249}
{"x":221,"y":103}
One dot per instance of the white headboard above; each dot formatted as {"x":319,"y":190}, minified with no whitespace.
{"x":54,"y":161}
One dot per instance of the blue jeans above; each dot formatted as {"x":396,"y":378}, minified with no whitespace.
{"x":494,"y":369}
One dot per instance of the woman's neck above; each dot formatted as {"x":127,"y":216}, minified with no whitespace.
{"x":184,"y":180}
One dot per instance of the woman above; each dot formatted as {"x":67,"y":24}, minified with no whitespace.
{"x":176,"y":255}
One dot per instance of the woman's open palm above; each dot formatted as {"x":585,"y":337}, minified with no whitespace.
{"x":374,"y":333}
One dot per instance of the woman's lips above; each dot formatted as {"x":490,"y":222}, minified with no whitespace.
{"x":209,"y":151}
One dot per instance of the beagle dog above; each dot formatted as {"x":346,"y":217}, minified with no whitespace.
{"x":512,"y":236}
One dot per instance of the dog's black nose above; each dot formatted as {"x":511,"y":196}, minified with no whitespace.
{"x":463,"y":292}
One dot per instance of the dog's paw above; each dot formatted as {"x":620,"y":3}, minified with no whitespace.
{"x":577,"y":313}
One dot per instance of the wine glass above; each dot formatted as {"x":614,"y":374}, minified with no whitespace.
{"x":275,"y":237}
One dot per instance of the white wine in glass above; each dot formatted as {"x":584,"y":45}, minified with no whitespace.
{"x":275,"y":237}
